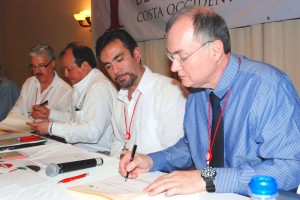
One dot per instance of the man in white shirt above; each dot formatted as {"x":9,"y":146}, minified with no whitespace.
{"x":45,"y":85}
{"x":91,"y":106}
{"x":150,"y":107}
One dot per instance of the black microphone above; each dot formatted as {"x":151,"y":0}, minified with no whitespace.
{"x":53,"y":169}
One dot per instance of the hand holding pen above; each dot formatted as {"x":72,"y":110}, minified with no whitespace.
{"x":40,"y":111}
{"x":134,"y":164}
{"x":131,"y":159}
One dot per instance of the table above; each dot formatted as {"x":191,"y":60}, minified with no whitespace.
{"x":52,"y":190}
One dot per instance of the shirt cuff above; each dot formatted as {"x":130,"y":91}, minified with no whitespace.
{"x":53,"y":115}
{"x":226,"y":180}
{"x":50,"y":128}
{"x":158,"y":162}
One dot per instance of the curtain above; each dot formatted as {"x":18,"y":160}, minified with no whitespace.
{"x":276,"y":43}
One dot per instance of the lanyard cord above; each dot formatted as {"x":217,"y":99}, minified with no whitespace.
{"x":128,"y":134}
{"x":211,"y":144}
{"x":36,"y":94}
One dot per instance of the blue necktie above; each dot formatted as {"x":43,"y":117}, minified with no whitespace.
{"x":218,"y":147}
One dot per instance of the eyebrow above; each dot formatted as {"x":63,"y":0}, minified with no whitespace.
{"x":65,"y":66}
{"x":176,"y":52}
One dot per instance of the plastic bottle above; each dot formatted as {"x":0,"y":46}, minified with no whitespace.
{"x":263,"y":188}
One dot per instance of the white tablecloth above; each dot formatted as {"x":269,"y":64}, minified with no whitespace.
{"x":50,"y":189}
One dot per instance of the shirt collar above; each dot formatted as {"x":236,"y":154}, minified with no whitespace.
{"x":141,"y":88}
{"x":81,"y":85}
{"x":53,"y":84}
{"x":227,"y":77}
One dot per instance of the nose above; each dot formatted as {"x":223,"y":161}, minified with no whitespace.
{"x":36,"y":70}
{"x":175,"y":67}
{"x":66,"y":73}
{"x":115,"y":68}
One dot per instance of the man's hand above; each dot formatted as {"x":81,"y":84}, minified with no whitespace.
{"x":140,"y":164}
{"x":177,"y":182}
{"x":40,"y":112}
{"x":39,"y":127}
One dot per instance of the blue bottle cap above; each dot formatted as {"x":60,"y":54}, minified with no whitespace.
{"x":263,"y":185}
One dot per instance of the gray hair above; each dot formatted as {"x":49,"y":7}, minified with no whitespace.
{"x":40,"y":49}
{"x":208,"y":25}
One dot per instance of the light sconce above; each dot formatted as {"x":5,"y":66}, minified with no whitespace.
{"x":84,"y":18}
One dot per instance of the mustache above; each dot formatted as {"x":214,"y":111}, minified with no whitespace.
{"x":121,"y":74}
{"x":38,"y":74}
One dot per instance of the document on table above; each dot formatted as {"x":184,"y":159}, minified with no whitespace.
{"x":63,"y":158}
{"x":23,"y":178}
{"x":14,"y":123}
{"x":115,"y":188}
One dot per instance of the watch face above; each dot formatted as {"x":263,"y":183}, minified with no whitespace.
{"x":208,"y":173}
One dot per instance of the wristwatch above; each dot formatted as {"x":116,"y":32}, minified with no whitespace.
{"x":208,"y":174}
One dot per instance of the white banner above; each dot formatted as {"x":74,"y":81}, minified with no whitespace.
{"x":146,"y":19}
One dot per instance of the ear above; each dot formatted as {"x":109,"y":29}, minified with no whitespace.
{"x":85,"y":67}
{"x":53,"y":64}
{"x":137,"y":54}
{"x":217,"y":49}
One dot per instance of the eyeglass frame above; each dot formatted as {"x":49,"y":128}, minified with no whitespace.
{"x":33,"y":67}
{"x":182,"y":60}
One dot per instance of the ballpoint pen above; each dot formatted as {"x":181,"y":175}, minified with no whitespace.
{"x":131,"y":159}
{"x":42,"y":104}
{"x":66,"y":180}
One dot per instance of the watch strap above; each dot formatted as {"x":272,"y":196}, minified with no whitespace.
{"x":210,"y":186}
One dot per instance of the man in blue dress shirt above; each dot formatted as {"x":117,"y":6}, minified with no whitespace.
{"x":9,"y":94}
{"x":261,"y":115}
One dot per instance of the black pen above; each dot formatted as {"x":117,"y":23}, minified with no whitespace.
{"x":44,"y":103}
{"x":131,"y":159}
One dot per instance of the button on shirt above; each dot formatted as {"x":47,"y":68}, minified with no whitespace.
{"x":261,"y":128}
{"x":158,"y":119}
{"x":58,"y":95}
{"x":90,"y":126}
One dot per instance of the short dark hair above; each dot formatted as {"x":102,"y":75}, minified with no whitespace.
{"x":112,"y":35}
{"x":81,"y":53}
{"x":208,"y":25}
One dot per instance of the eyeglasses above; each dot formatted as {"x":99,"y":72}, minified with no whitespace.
{"x":40,"y":66}
{"x":182,"y":60}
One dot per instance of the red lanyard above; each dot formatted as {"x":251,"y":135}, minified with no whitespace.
{"x":36,"y":93}
{"x":211,"y":144}
{"x":128,"y":134}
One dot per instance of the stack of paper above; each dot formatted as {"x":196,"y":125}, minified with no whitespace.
{"x":14,"y":123}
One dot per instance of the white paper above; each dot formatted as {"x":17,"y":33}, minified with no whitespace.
{"x":5,"y":183}
{"x":14,"y":123}
{"x":63,"y":159}
{"x":117,"y":189}
{"x":24,"y":178}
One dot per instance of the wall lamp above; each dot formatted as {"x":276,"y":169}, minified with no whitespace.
{"x":84,"y":18}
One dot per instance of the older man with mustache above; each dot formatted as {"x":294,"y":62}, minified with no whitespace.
{"x":44,"y":86}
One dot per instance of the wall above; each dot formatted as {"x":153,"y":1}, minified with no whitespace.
{"x":25,"y":23}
